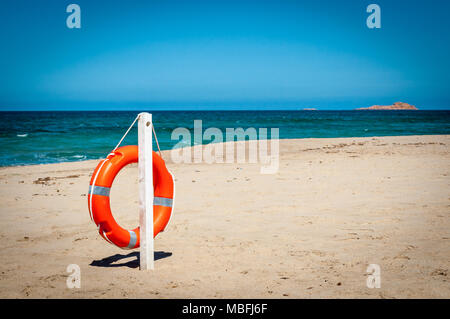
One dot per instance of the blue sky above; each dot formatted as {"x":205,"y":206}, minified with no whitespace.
{"x":223,"y":55}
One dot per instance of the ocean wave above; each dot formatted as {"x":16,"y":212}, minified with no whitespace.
{"x":22,"y":135}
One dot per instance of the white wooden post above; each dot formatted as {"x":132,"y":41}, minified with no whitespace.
{"x":146,"y":191}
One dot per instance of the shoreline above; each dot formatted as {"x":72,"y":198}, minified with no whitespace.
{"x":203,"y":145}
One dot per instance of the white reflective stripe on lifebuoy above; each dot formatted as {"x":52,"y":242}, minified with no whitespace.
{"x":133,"y":239}
{"x":99,"y":190}
{"x":162,"y":201}
{"x":104,"y":191}
{"x":93,"y":183}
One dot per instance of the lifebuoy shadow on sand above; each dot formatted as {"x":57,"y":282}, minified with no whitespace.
{"x":111,"y":261}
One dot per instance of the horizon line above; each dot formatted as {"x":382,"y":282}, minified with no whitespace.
{"x":209,"y":110}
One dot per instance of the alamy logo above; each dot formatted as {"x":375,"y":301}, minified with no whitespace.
{"x":259,"y":147}
{"x":374,"y":20}
{"x":374,"y":277}
{"x":74,"y":19}
{"x":74,"y":279}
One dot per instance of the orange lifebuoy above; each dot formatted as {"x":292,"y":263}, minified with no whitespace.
{"x":99,"y":204}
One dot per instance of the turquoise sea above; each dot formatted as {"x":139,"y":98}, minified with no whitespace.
{"x":51,"y":137}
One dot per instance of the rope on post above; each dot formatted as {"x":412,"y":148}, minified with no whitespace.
{"x":156,"y":139}
{"x":128,"y":130}
{"x":118,"y":144}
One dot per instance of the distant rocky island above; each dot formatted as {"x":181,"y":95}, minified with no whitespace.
{"x":395,"y":106}
{"x":309,"y":109}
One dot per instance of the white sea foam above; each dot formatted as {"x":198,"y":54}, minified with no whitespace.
{"x":22,"y":135}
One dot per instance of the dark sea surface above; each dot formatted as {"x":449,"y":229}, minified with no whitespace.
{"x":52,"y":137}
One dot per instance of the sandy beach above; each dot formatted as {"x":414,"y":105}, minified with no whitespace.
{"x":309,"y":231}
